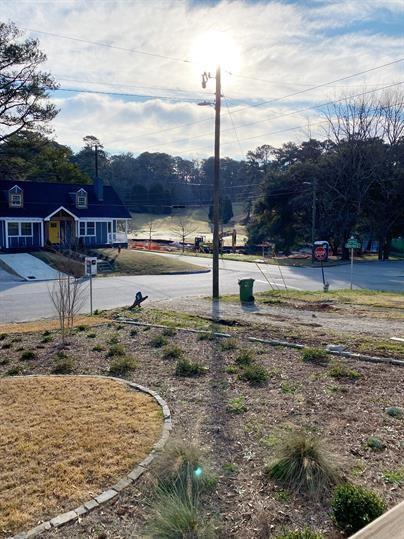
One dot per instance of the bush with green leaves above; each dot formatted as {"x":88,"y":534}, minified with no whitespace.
{"x":172,"y":352}
{"x":28,"y":355}
{"x":306,"y":533}
{"x":116,"y":350}
{"x":3,"y":336}
{"x":394,"y":411}
{"x":245,"y":357}
{"x":304,"y":464}
{"x":46,"y":339}
{"x":256,"y":375}
{"x":341,"y":371}
{"x":354,"y":507}
{"x":14,"y":371}
{"x":63,"y":366}
{"x":314,"y":355}
{"x":123,"y":365}
{"x":231,"y":369}
{"x":158,"y":341}
{"x":375,"y":443}
{"x":187,"y":368}
{"x":81,"y":327}
{"x":394,"y":477}
{"x":237,"y":405}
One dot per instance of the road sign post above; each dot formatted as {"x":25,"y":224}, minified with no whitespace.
{"x":352,"y":244}
{"x":90,"y":269}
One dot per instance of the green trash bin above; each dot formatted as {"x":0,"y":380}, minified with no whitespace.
{"x":246,"y":290}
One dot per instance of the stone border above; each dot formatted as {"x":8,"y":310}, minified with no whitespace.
{"x":112,"y":492}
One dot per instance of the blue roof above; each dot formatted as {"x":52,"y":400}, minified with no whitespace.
{"x":42,"y":199}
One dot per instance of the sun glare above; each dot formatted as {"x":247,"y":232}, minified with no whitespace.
{"x":215,"y":48}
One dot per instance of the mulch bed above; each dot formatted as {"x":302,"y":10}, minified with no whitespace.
{"x":245,"y":503}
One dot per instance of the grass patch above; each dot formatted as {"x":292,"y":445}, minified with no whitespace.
{"x":394,"y":477}
{"x":132,"y":262}
{"x":158,"y":341}
{"x":64,"y":434}
{"x":305,"y":533}
{"x":61,"y":263}
{"x":46,"y":339}
{"x":98,"y":348}
{"x":116,"y":350}
{"x":206,"y":337}
{"x":28,"y":355}
{"x":187,"y":368}
{"x":340,"y":371}
{"x":289,"y":387}
{"x":303,"y":464}
{"x":169,"y":332}
{"x":172,"y":352}
{"x":237,"y":405}
{"x":231,"y":369}
{"x":121,"y":366}
{"x":114,"y":339}
{"x":228,"y":344}
{"x":256,"y":375}
{"x":314,"y":355}
{"x":245,"y":357}
{"x":63,"y":366}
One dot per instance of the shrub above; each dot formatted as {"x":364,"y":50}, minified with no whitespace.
{"x":169,"y":332}
{"x":63,"y":366}
{"x":62,"y":355}
{"x":3,"y":336}
{"x":394,"y":411}
{"x":245,"y":357}
{"x":28,"y":355}
{"x":288,"y":387}
{"x":81,"y":327}
{"x":306,"y":533}
{"x":303,"y":464}
{"x":158,"y":341}
{"x":133,"y":332}
{"x":47,"y":339}
{"x":354,"y":507}
{"x":256,"y":375}
{"x":237,"y":405}
{"x":98,"y":348}
{"x":116,"y":350}
{"x":338,"y":370}
{"x":4,"y":361}
{"x":314,"y":355}
{"x":228,"y":344}
{"x":91,"y":335}
{"x":187,"y":368}
{"x":46,"y":333}
{"x":14,"y":371}
{"x":172,"y":352}
{"x":375,"y":443}
{"x":6,"y":346}
{"x":122,"y":365}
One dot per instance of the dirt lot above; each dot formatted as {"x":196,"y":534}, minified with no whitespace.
{"x":344,"y":412}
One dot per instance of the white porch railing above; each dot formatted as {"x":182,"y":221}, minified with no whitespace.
{"x":117,"y":237}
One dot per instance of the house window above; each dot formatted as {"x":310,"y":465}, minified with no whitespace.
{"x":15,"y":198}
{"x":13,"y":229}
{"x":19,"y":229}
{"x":81,"y":199}
{"x":87,"y":228}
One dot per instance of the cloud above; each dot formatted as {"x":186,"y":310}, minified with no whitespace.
{"x":284,"y":47}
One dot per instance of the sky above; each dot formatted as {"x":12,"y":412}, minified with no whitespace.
{"x":130,"y":70}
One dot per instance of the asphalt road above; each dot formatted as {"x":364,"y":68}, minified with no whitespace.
{"x":20,"y":301}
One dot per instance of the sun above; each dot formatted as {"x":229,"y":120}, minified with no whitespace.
{"x":216,"y":48}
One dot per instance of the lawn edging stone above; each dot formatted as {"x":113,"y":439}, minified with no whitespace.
{"x":110,"y":493}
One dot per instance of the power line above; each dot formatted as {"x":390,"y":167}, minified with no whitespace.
{"x":88,"y":91}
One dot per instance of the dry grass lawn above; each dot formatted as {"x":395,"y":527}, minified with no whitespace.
{"x":49,"y":324}
{"x":63,"y":439}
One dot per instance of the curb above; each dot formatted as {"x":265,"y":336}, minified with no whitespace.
{"x":110,"y":493}
{"x":276,"y":342}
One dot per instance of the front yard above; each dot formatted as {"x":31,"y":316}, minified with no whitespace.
{"x":236,"y":400}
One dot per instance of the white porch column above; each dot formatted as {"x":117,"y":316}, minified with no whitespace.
{"x":42,"y":236}
{"x":6,"y":232}
{"x":126,"y":230}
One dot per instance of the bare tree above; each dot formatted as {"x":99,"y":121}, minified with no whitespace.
{"x":182,"y":229}
{"x":67,"y":296}
{"x":150,"y":230}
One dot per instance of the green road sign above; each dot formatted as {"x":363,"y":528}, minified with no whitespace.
{"x":352,"y":243}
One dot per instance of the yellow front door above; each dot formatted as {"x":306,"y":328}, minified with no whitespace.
{"x":54,"y":231}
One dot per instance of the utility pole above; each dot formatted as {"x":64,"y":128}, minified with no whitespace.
{"x":216,"y":189}
{"x":313,"y":212}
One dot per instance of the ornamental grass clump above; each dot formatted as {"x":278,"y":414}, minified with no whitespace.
{"x":315,"y":355}
{"x":172,"y":352}
{"x":256,"y":375}
{"x":158,"y":341}
{"x":355,"y":507}
{"x":122,"y":366}
{"x":28,"y":355}
{"x":304,"y":464}
{"x":116,"y":350}
{"x":63,"y":366}
{"x":245,"y":357}
{"x":306,"y":533}
{"x":187,"y":368}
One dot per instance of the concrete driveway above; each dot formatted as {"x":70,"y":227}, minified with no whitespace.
{"x":29,"y":267}
{"x":6,"y":277}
